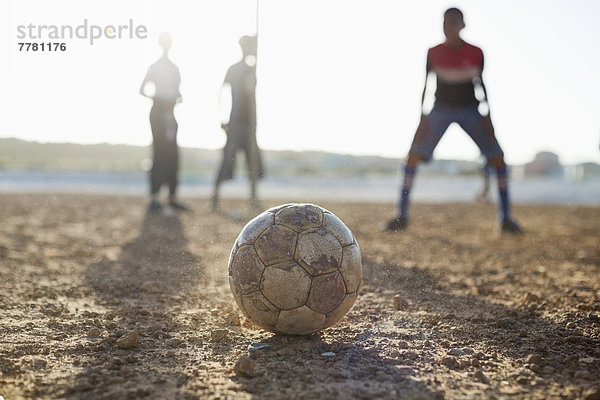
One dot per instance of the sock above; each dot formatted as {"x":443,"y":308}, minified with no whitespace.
{"x":409,"y":175}
{"x":504,"y":203}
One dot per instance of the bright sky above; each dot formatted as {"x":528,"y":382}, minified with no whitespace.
{"x":333,"y":75}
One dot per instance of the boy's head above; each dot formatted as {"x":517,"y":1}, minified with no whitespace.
{"x":164,"y":40}
{"x":248,"y":45}
{"x":453,"y":23}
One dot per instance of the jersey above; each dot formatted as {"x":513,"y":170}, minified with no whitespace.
{"x":242,"y":79}
{"x":166,"y":78}
{"x":456,"y":70}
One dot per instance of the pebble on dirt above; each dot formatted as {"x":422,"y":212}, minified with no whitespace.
{"x":130,"y":340}
{"x":245,"y":367}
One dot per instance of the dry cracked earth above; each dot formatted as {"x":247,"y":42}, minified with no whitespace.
{"x":100,"y":299}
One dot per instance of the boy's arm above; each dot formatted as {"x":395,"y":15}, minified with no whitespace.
{"x":143,"y":85}
{"x":427,"y":71}
{"x":487,"y":119}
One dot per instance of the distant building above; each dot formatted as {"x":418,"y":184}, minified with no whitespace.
{"x":545,"y":163}
{"x":583,"y":171}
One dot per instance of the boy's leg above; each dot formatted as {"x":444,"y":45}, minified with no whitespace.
{"x":481,"y":131}
{"x":429,"y":132}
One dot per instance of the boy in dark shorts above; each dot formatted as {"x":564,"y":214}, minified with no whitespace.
{"x":165,"y":163}
{"x":241,"y":128}
{"x":458,"y":67}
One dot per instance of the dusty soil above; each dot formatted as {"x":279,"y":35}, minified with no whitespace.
{"x":448,"y":309}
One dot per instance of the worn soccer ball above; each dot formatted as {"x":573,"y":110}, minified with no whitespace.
{"x":295,"y":269}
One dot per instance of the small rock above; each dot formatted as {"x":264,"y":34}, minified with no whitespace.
{"x":592,"y":393}
{"x":37,"y":315}
{"x":170,"y":353}
{"x":583,"y":374}
{"x":174,"y":343}
{"x":468,"y":350}
{"x":533,"y":359}
{"x":450,"y":362}
{"x":505,"y":322}
{"x":593,"y":316}
{"x":480,"y":376}
{"x":578,"y":339}
{"x":402,"y":344}
{"x":523,"y":380}
{"x":328,"y":354}
{"x":94,"y":332}
{"x":556,"y":365}
{"x":531,"y":298}
{"x":39,"y":362}
{"x":252,"y":347}
{"x":399,"y":302}
{"x":475,"y":362}
{"x":456,"y":352}
{"x":480,"y":356}
{"x":218,"y":334}
{"x":395,"y":354}
{"x":548,"y":369}
{"x":130,"y":340}
{"x":572,"y":359}
{"x":111,"y":325}
{"x":536,"y":368}
{"x":245,"y":367}
{"x":410,"y":355}
{"x":523,"y":333}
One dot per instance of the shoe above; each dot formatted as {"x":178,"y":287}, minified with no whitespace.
{"x":154,"y":206}
{"x":178,"y":206}
{"x":510,"y":226}
{"x":396,"y":224}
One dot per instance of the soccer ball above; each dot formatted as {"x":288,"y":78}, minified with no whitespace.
{"x":295,"y":269}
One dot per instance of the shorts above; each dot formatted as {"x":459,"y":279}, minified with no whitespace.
{"x":439,"y":119}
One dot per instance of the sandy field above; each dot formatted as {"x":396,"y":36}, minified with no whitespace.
{"x":99,"y":299}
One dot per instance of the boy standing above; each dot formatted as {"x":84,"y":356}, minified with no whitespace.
{"x":458,"y":67}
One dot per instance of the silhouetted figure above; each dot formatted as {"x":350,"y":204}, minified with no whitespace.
{"x":165,"y":77}
{"x":241,"y":127}
{"x":458,"y":67}
{"x":483,"y":195}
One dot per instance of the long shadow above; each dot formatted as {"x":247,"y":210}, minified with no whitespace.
{"x":398,"y":354}
{"x":521,"y":335}
{"x":299,"y":367}
{"x":140,"y":288}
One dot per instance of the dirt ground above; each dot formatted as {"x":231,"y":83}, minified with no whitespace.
{"x":448,"y":309}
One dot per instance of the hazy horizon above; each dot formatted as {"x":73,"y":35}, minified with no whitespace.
{"x":335,"y":76}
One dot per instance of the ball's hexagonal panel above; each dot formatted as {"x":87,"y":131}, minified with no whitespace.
{"x":351,"y":268}
{"x":276,"y":244}
{"x":299,"y":321}
{"x":246,"y":269}
{"x":279,"y":207}
{"x":260,"y":310}
{"x":338,"y":229}
{"x":286,"y":285}
{"x":300,"y":217}
{"x":319,"y":252}
{"x":237,"y":295}
{"x":341,"y":310}
{"x":326,"y":293}
{"x":254,"y":228}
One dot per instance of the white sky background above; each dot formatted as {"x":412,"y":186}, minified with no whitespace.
{"x":340,"y":76}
